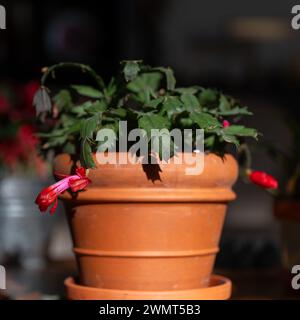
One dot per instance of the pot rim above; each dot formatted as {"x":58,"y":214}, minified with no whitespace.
{"x":134,"y":182}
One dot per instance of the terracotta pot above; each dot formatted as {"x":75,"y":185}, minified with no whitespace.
{"x":219,"y":289}
{"x":287,"y":211}
{"x":149,"y":228}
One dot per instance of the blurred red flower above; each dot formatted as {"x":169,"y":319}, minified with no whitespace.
{"x":18,"y":139}
{"x":263,"y":179}
{"x":29,"y":91}
{"x":26,"y":137}
{"x":4,"y":104}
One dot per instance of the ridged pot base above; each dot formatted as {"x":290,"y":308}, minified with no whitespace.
{"x":218,"y":289}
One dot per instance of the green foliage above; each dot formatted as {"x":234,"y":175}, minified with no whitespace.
{"x":153,"y":121}
{"x":63,"y":100}
{"x":131,"y":70}
{"x":87,"y":91}
{"x":148,"y":99}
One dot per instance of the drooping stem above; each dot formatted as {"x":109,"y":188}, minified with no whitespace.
{"x":245,"y":152}
{"x":83,"y":67}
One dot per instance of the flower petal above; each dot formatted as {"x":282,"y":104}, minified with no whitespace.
{"x":79,"y":184}
{"x":263,"y":179}
{"x":52,"y":210}
{"x":49,"y":195}
{"x":81,"y":172}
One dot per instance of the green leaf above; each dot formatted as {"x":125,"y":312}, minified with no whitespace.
{"x":186,"y":122}
{"x":145,"y":86}
{"x":207,"y":97}
{"x":224,"y":104}
{"x":210,"y":141}
{"x":86,"y":157}
{"x":72,"y":128}
{"x":231,"y":139}
{"x":98,"y":106}
{"x":190,"y":102}
{"x":88,"y":127}
{"x":153,"y":121}
{"x":205,"y":120}
{"x":171,"y":106}
{"x":234,"y":112}
{"x":119,"y":112}
{"x":114,"y":126}
{"x":131,"y":70}
{"x":79,"y":110}
{"x":241,"y":131}
{"x":163,"y":145}
{"x":42,"y":101}
{"x":55,"y":142}
{"x":89,"y":108}
{"x":189,"y":90}
{"x":170,"y":79}
{"x":87,"y":91}
{"x":63,"y":100}
{"x":111,"y":89}
{"x":54,"y":133}
{"x":154,"y":103}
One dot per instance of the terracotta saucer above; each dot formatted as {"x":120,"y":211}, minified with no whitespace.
{"x":219,"y":289}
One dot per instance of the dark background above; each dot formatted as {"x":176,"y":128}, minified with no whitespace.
{"x":234,"y":45}
{"x":246,"y":48}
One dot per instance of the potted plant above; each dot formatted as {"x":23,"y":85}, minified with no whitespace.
{"x":142,"y":227}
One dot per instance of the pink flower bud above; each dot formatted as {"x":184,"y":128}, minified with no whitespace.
{"x":226,"y":124}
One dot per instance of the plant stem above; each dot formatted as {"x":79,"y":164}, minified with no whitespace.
{"x":83,"y":67}
{"x":244,"y":149}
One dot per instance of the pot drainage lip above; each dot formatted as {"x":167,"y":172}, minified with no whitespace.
{"x":219,"y":289}
{"x":145,"y":254}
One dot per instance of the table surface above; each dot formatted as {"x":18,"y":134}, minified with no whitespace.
{"x":47,"y":283}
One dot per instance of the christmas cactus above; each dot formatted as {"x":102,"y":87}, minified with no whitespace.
{"x":147,"y":98}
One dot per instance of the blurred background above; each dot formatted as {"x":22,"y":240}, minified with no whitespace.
{"x":247,"y":49}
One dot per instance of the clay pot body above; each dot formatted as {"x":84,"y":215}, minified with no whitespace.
{"x":150,"y":228}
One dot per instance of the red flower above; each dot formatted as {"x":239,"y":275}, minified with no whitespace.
{"x":10,"y":153}
{"x":226,"y":124}
{"x":29,"y":91}
{"x":50,"y":194}
{"x":21,"y":148}
{"x":263,"y":179}
{"x":27,"y":137}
